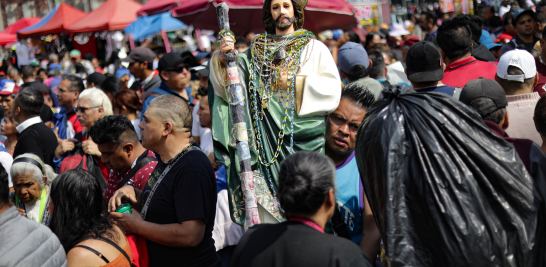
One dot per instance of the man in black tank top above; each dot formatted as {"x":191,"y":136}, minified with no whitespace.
{"x":178,"y":203}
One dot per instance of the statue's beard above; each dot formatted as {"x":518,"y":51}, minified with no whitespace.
{"x":284,"y":25}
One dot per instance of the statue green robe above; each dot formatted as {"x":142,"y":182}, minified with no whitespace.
{"x":319,"y":92}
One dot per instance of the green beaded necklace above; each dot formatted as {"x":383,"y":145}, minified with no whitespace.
{"x":262,"y":82}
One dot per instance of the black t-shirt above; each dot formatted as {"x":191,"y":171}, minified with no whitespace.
{"x":438,"y":89}
{"x":36,"y":85}
{"x":295,"y":244}
{"x":39,"y":140}
{"x":186,"y":193}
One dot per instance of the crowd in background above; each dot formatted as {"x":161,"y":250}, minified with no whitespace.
{"x":76,"y":132}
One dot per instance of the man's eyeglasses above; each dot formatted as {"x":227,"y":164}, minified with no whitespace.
{"x":82,"y":109}
{"x":179,"y":69}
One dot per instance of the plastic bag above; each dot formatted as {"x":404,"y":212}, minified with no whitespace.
{"x":445,"y":190}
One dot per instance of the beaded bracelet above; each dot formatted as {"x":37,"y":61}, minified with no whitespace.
{"x":224,"y":33}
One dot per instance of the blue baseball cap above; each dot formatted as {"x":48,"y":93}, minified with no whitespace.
{"x":201,"y":55}
{"x":485,"y":39}
{"x":350,"y":55}
{"x":337,"y":34}
{"x":55,"y":66}
{"x":121,"y":72}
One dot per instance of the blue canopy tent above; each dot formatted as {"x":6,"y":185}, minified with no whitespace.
{"x":149,"y":25}
{"x":139,"y":25}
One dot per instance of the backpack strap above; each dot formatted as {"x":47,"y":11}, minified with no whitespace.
{"x":141,"y":163}
{"x":339,"y":226}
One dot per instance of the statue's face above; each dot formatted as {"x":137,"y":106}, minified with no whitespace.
{"x":282,"y":12}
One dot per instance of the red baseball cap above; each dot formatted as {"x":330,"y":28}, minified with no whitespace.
{"x":411,"y":40}
{"x":10,"y":88}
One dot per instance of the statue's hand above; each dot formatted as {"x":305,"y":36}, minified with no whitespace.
{"x":227,"y":44}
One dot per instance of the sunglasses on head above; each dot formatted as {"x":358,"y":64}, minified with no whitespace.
{"x":179,"y":69}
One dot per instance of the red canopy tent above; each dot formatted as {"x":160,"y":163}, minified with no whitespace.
{"x":62,"y":16}
{"x":112,"y":15}
{"x":6,"y":38}
{"x":158,"y":6}
{"x":246,"y":15}
{"x":21,"y":24}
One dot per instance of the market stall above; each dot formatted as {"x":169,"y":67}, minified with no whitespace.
{"x":55,"y":22}
{"x":157,"y":24}
{"x":151,"y":25}
{"x":112,"y":15}
{"x":6,"y":38}
{"x":21,"y":24}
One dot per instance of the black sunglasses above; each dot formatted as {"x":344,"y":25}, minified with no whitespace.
{"x":82,"y":109}
{"x":179,"y":69}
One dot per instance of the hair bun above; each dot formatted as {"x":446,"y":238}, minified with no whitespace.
{"x":304,"y":181}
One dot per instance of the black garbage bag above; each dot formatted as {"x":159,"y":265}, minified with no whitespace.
{"x":445,"y":190}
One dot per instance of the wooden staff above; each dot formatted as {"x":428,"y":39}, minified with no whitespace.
{"x":236,"y":100}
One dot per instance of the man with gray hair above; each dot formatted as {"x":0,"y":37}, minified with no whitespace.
{"x":178,"y":204}
{"x":13,"y":74}
{"x":53,"y":58}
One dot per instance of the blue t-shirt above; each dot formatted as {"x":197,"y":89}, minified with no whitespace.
{"x":55,"y":83}
{"x":439,"y":89}
{"x":349,"y":193}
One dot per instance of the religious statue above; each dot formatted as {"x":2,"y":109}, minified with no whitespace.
{"x":289,"y":83}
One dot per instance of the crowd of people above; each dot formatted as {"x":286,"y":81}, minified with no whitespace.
{"x":124,"y":168}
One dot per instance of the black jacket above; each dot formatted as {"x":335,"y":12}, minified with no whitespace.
{"x":480,"y":52}
{"x":37,"y":139}
{"x":295,"y":244}
{"x":154,"y":83}
{"x":517,"y":42}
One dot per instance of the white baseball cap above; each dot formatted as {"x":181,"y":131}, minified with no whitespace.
{"x":518,"y":58}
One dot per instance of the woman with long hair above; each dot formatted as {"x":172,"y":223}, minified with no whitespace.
{"x":31,"y":182}
{"x":8,"y":129}
{"x":80,"y":221}
{"x":127,"y":103}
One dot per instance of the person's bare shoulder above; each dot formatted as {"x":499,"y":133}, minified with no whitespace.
{"x":78,"y":256}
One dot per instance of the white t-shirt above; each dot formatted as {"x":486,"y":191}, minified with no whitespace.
{"x":205,"y":134}
{"x":6,"y":160}
{"x":23,"y":54}
{"x":196,"y":129}
{"x":502,"y":10}
{"x":206,"y":141}
{"x":33,"y":211}
{"x":135,"y":123}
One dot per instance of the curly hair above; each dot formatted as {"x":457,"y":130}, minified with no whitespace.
{"x":269,"y":21}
